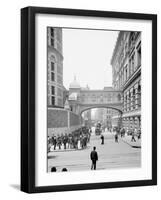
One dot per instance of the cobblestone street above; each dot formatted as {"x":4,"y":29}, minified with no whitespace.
{"x":110,"y":155}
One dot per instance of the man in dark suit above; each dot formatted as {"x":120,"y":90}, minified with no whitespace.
{"x":102,"y":139}
{"x":94,"y":158}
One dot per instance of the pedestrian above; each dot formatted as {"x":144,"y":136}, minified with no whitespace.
{"x":102,"y":139}
{"x":94,"y":158}
{"x":54,"y":142}
{"x":65,"y":139}
{"x":139,"y":133}
{"x":116,"y":137}
{"x":133,"y":137}
{"x":59,"y":142}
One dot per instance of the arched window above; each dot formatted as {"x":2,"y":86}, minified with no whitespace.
{"x":52,"y":66}
{"x":129,"y":101}
{"x":134,"y":99}
{"x":139,"y":95}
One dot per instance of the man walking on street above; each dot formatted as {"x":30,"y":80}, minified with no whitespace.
{"x":133,"y":137}
{"x":94,"y":158}
{"x":54,"y":141}
{"x":102,"y":139}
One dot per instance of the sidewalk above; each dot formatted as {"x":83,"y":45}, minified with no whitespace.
{"x":127,"y":140}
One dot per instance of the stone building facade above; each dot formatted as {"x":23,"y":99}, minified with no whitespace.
{"x":126,"y":72}
{"x":55,"y":67}
{"x":61,"y":121}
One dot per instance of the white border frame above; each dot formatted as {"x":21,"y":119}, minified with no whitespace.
{"x":50,"y":179}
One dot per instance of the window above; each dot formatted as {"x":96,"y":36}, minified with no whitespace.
{"x":52,"y":32}
{"x":132,"y":63}
{"x":130,"y":67}
{"x":129,"y":101}
{"x":52,"y":42}
{"x":52,"y":76}
{"x":52,"y":66}
{"x":134,"y":99}
{"x":139,"y":96}
{"x":53,"y":100}
{"x":53,"y":90}
{"x":139,"y":56}
{"x":126,"y":73}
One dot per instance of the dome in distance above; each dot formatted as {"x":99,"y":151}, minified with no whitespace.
{"x":74,"y":84}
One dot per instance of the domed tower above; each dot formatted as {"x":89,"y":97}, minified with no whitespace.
{"x":74,"y":86}
{"x":74,"y":93}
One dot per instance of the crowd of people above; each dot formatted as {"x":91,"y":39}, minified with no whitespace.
{"x":133,"y":132}
{"x":77,"y":139}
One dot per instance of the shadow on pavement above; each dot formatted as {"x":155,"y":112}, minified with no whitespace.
{"x":15,"y":186}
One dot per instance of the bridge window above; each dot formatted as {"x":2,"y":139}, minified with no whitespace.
{"x":119,"y":97}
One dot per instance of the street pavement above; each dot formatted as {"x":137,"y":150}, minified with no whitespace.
{"x":134,"y":144}
{"x":111,"y":155}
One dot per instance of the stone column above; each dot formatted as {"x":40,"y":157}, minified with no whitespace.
{"x":125,"y":103}
{"x":124,"y":122}
{"x":131,"y":122}
{"x":131,"y":104}
{"x":136,"y":96}
{"x":139,"y":121}
{"x":136,"y":122}
{"x":128,"y":101}
{"x":127,"y":122}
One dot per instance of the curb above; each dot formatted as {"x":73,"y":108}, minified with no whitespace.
{"x":133,"y":146}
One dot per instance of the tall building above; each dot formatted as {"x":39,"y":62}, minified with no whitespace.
{"x":55,"y":67}
{"x":126,"y":71}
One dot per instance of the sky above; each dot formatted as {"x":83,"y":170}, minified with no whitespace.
{"x":87,"y":55}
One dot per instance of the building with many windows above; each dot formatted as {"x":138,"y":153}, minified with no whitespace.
{"x":126,"y":71}
{"x":55,"y":67}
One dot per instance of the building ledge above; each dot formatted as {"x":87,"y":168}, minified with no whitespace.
{"x":132,"y":113}
{"x":132,"y":78}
